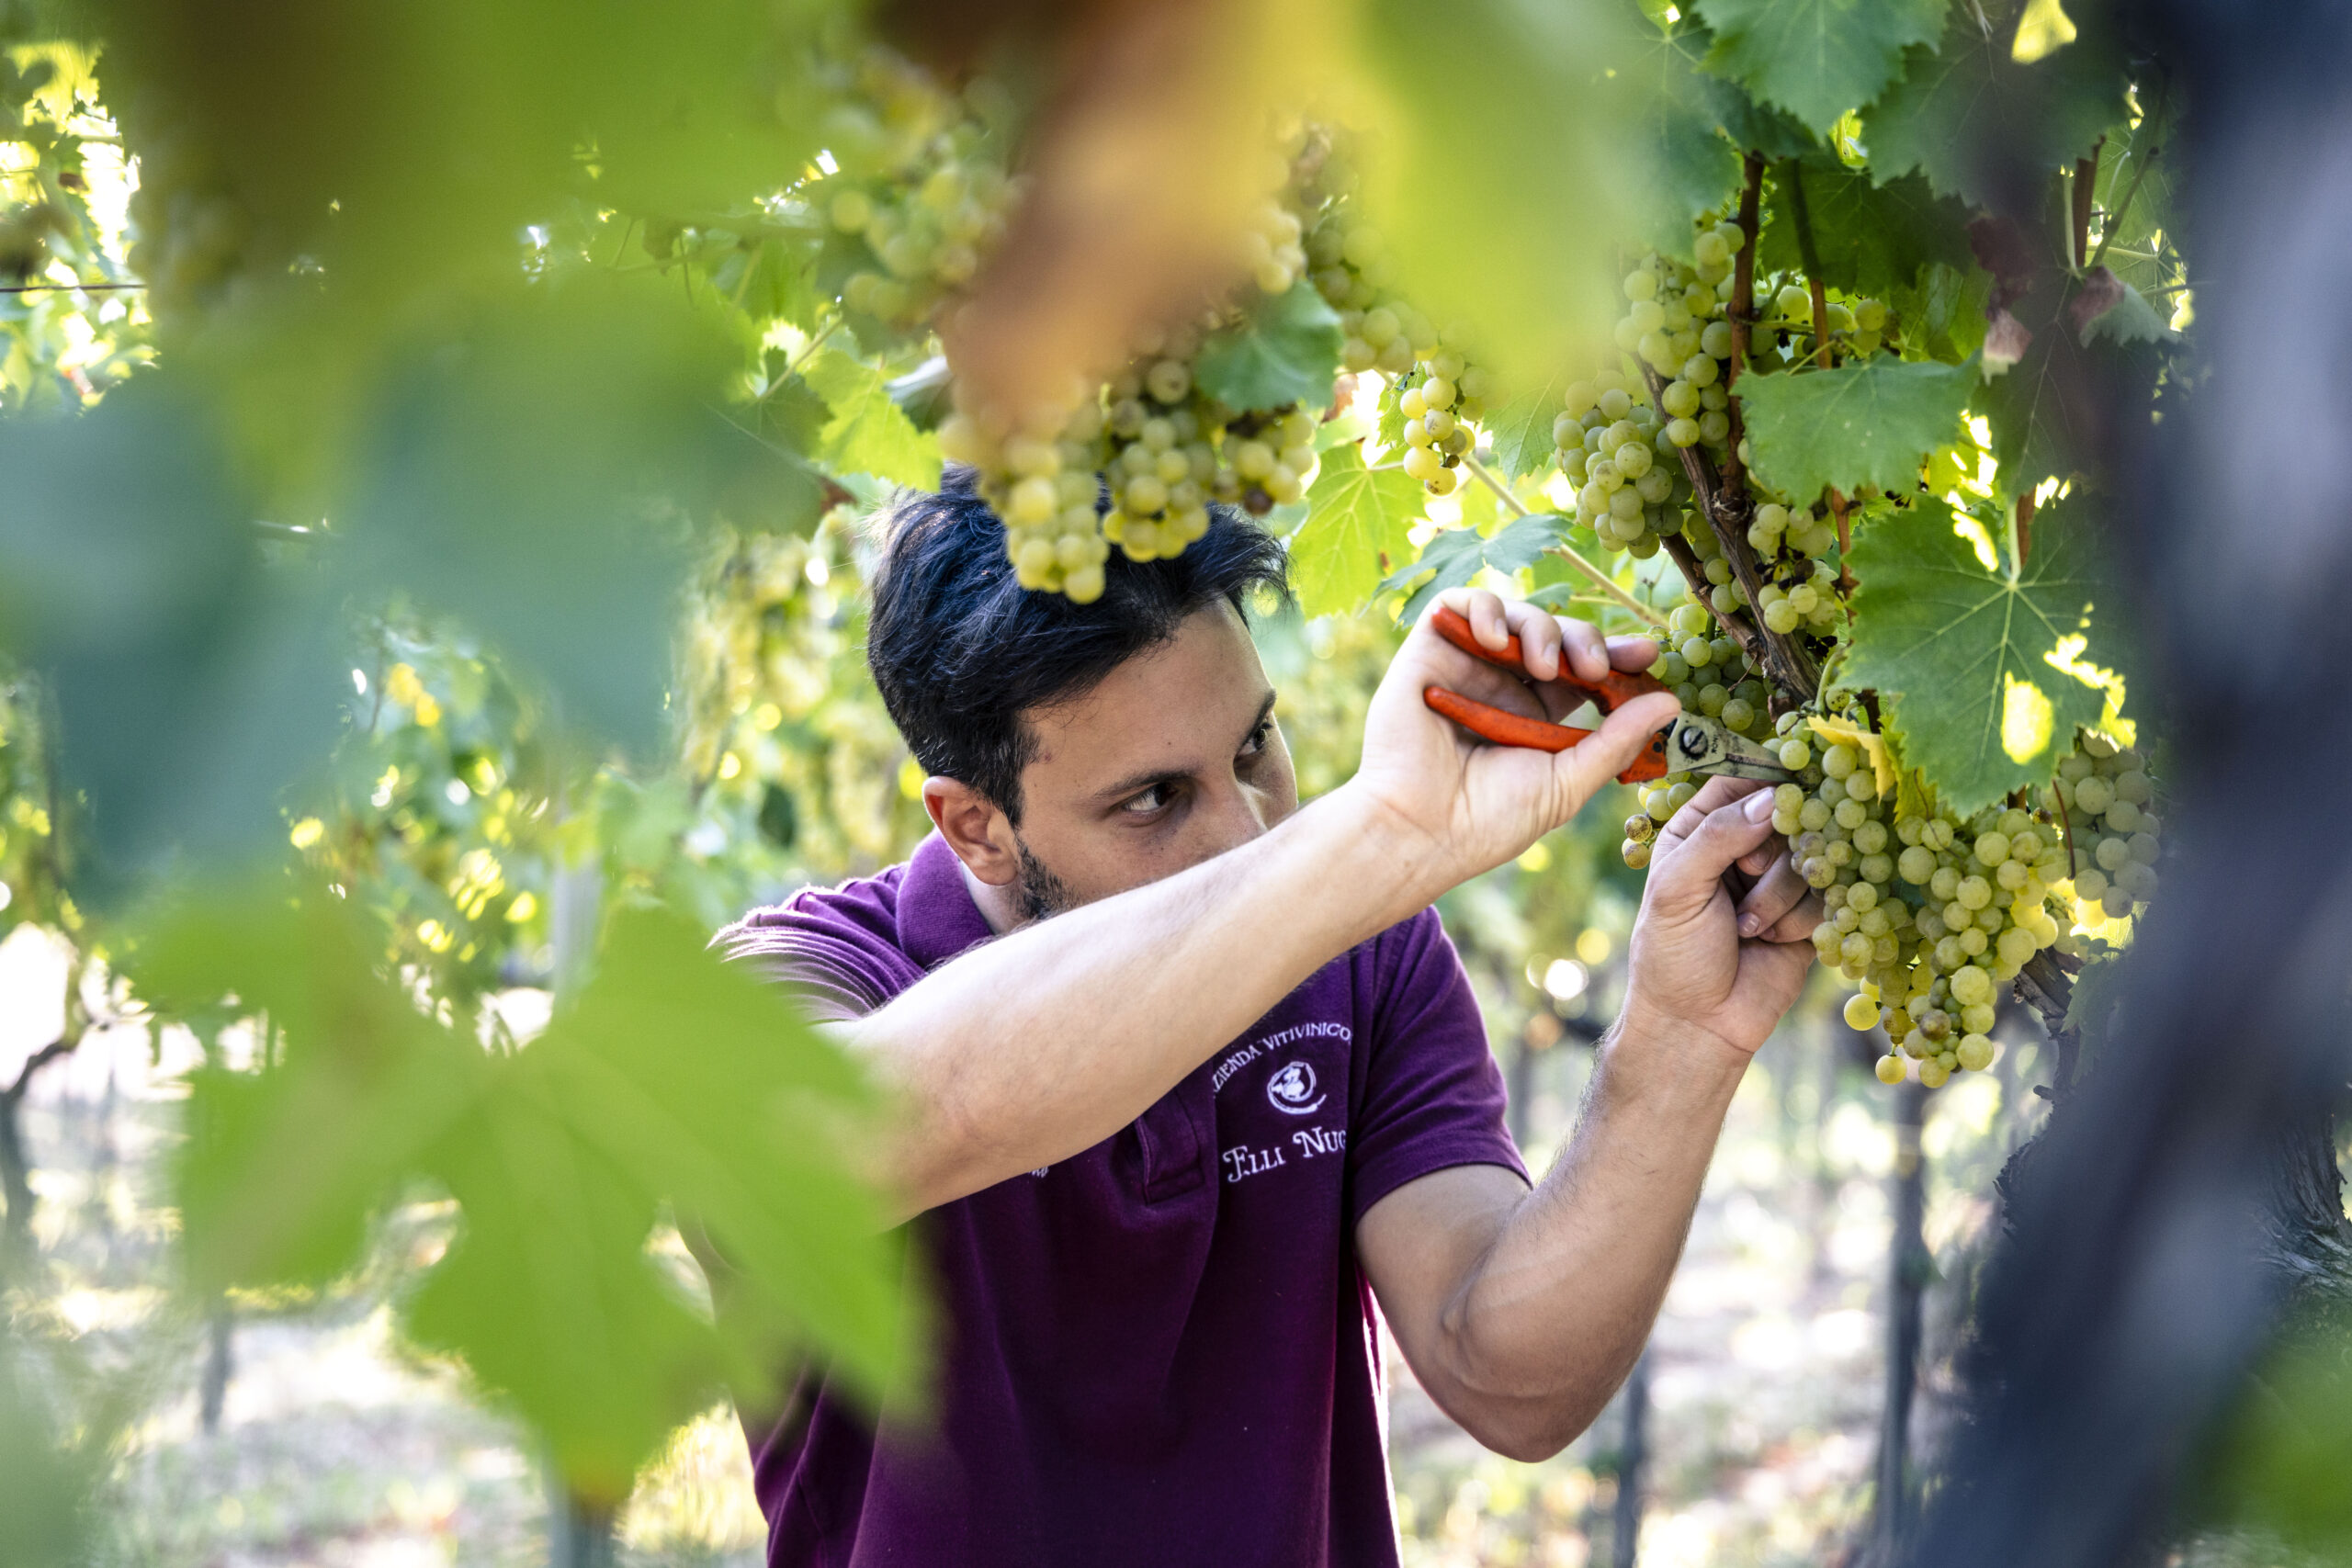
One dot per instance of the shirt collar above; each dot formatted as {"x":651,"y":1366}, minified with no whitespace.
{"x":937,"y":918}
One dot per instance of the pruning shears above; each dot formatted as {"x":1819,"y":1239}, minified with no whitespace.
{"x":1692,"y":744}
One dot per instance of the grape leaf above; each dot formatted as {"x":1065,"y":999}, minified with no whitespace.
{"x":1287,"y":352}
{"x":1867,"y":424}
{"x":1521,"y":428}
{"x":1816,"y":58}
{"x":1488,"y":195}
{"x":2125,"y":317}
{"x":284,"y":1169}
{"x":1756,"y":128}
{"x":1943,"y":313}
{"x":1359,"y":519}
{"x":547,"y":1294}
{"x":1964,"y":659}
{"x":1454,"y":555}
{"x":1964,"y":105}
{"x":1388,"y":430}
{"x":671,"y":1081}
{"x":2046,"y":410}
{"x":49,"y":1473}
{"x":508,"y":486}
{"x":1870,"y":238}
{"x":1675,"y":125}
{"x":2091,"y":1003}
{"x":771,"y":484}
{"x":869,"y":433}
{"x":697,"y":1076}
{"x":2132,"y":165}
{"x":128,"y":577}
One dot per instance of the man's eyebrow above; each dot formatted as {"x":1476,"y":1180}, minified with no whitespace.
{"x":1134,"y":783}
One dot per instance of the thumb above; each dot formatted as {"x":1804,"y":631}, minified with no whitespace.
{"x":1611,"y":750}
{"x":1684,"y":882}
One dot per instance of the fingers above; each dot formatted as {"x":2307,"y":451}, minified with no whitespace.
{"x":1549,"y":646}
{"x":1685,"y":881}
{"x":1798,"y":924}
{"x":1632,"y":654}
{"x":1713,"y":796}
{"x":1582,"y":649}
{"x":1762,"y":859}
{"x":1498,"y":688}
{"x":1611,"y":750}
{"x":1777,"y":892}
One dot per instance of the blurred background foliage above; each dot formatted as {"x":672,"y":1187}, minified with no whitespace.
{"x":440,"y":448}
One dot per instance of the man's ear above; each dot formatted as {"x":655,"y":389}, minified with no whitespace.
{"x":975,"y":828}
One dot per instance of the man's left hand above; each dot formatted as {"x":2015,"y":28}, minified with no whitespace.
{"x":1722,"y":944}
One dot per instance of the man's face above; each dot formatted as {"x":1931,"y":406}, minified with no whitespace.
{"x":1172,"y":759}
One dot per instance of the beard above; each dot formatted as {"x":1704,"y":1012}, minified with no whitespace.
{"x":1042,"y":893}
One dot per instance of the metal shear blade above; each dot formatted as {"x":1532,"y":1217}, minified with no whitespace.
{"x":1698,"y":745}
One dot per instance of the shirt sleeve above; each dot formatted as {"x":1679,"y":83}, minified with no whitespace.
{"x":1433,"y":1096}
{"x":829,"y":974}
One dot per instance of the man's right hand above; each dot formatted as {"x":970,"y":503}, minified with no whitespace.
{"x":1464,"y":805}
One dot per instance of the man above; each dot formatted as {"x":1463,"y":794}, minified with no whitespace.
{"x":1193,"y":1077}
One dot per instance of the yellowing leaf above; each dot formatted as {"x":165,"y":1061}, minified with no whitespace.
{"x":1835,"y":730}
{"x":2043,"y":28}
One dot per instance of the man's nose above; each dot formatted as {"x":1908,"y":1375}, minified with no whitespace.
{"x":1236,"y":814}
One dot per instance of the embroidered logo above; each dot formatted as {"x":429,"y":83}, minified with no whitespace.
{"x":1292,"y":1091}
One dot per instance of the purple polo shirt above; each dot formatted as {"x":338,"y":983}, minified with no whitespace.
{"x":1161,"y":1350}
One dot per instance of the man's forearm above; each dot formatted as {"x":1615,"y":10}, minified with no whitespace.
{"x":1029,"y":1050}
{"x":1551,"y":1318}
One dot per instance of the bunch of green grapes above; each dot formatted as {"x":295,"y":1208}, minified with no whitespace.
{"x":1154,"y":442}
{"x":1927,"y":911}
{"x":1175,"y":449}
{"x":1857,"y":325}
{"x":1630,"y":488}
{"x":1041,"y":480}
{"x":920,"y":193}
{"x":1441,"y":394}
{"x":1163,"y":448}
{"x":1273,"y":245}
{"x":1930,"y":915}
{"x":2106,"y":795}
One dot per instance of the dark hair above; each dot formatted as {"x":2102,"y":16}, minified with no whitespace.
{"x":962,"y":651}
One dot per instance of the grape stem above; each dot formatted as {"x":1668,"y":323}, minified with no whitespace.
{"x":2085,"y":186}
{"x":1742,"y":313}
{"x":1845,"y":545}
{"x":801,"y":358}
{"x":2066,"y":831}
{"x":1566,"y":551}
{"x":2020,"y":533}
{"x":1782,"y":658}
{"x":1811,"y":257}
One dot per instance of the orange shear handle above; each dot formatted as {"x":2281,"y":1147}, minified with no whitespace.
{"x":1506,"y":728}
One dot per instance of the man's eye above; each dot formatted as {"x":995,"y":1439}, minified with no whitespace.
{"x":1258,"y":738}
{"x":1145,"y":804}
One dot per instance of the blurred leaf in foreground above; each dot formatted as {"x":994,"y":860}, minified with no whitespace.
{"x":47,"y":1481}
{"x":672,"y":1085}
{"x":192,"y":678}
